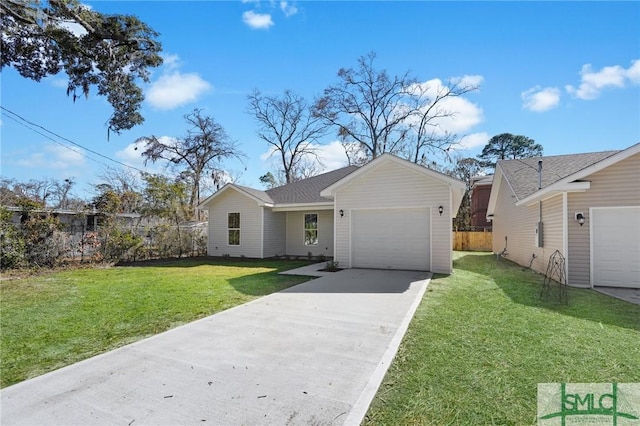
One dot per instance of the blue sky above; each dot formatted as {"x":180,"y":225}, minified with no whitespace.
{"x":564,"y":74}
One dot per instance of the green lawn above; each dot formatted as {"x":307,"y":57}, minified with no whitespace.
{"x":59,"y":318}
{"x":481,"y":341}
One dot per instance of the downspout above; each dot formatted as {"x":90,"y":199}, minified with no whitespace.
{"x":539,"y":188}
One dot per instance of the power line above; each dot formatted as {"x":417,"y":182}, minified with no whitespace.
{"x":30,"y":125}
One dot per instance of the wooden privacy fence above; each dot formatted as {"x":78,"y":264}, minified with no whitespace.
{"x":472,"y":241}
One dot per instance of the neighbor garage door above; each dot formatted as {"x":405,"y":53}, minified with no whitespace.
{"x":390,"y":239}
{"x":615,"y":240}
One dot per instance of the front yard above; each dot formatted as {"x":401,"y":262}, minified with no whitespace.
{"x":476,"y":349}
{"x":59,"y":318}
{"x":481,"y":341}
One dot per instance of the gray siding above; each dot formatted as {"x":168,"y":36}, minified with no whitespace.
{"x":274,"y":233}
{"x":250,"y":226}
{"x":393,"y":186}
{"x":295,"y":234}
{"x":518,"y":224}
{"x":615,"y":186}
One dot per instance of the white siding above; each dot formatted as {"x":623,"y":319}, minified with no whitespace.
{"x":393,"y":186}
{"x":295,"y":234}
{"x":518,"y":225}
{"x":274,"y":233}
{"x":615,"y":186}
{"x":250,"y":226}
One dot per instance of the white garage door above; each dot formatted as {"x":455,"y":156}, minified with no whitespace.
{"x":615,"y":240}
{"x":390,"y":239}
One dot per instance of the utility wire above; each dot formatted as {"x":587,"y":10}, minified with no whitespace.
{"x":30,"y":125}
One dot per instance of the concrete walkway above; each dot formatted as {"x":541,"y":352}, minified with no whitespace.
{"x":312,"y":354}
{"x":631,"y":295}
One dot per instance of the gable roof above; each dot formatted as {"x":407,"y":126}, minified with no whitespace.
{"x":456,"y":186}
{"x":559,"y":173}
{"x":329,"y":191}
{"x":522,"y":174}
{"x":306,"y":191}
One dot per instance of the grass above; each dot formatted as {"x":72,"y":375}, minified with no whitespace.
{"x":482,"y":340}
{"x":59,"y":318}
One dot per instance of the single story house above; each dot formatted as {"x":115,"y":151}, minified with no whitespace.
{"x":389,"y":213}
{"x":587,"y":206}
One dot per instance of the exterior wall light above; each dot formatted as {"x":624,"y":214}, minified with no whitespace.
{"x":580,"y":218}
{"x":440,"y":210}
{"x":341,"y":213}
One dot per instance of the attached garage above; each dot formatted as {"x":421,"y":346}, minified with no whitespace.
{"x":391,"y":239}
{"x":394,"y":214}
{"x":615,"y":244}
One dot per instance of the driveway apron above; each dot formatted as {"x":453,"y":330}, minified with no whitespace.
{"x":312,"y":354}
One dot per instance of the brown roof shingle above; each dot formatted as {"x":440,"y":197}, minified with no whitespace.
{"x":522,"y":174}
{"x":308,"y":190}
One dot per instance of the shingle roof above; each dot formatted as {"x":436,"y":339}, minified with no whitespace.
{"x":522,"y":174}
{"x":262,"y":195}
{"x":307,"y":190}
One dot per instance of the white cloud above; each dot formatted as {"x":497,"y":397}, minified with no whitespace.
{"x":633,"y":72}
{"x":55,"y":157}
{"x":288,"y":8}
{"x":175,"y":89}
{"x":331,"y":155}
{"x":132,"y":156}
{"x":464,"y":113}
{"x":257,"y":21}
{"x":468,"y":80}
{"x":472,"y":141}
{"x":171,"y":61}
{"x":593,"y":82}
{"x":539,"y":100}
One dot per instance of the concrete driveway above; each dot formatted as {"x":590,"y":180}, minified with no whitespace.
{"x":313,"y":354}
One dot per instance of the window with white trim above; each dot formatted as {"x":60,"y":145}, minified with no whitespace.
{"x":233,"y":229}
{"x":310,"y":229}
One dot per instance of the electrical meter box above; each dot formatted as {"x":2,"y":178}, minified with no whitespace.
{"x":539,"y":239}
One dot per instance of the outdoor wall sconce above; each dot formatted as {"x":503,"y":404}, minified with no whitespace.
{"x":440,"y":210}
{"x":580,"y":218}
{"x":341,"y":213}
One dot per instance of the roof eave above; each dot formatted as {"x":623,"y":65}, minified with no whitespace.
{"x":553,"y":190}
{"x":290,"y":207}
{"x":225,"y":188}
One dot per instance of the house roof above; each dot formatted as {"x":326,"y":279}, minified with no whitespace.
{"x":308,"y":190}
{"x":522,"y":174}
{"x":560,"y":173}
{"x":481,"y":180}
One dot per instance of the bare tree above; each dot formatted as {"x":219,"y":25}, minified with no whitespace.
{"x":205,"y":145}
{"x":368,"y":107}
{"x":427,"y":135}
{"x":60,"y":192}
{"x":287,"y":125}
{"x":121,"y":179}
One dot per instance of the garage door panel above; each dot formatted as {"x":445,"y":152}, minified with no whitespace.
{"x":391,"y":238}
{"x":616,"y":247}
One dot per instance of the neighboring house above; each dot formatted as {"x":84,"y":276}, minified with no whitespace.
{"x":480,"y":192}
{"x":390,"y":213}
{"x":587,"y":207}
{"x":77,"y":221}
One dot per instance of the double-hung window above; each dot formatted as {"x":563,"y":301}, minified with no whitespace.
{"x":310,"y":229}
{"x":233,"y":227}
